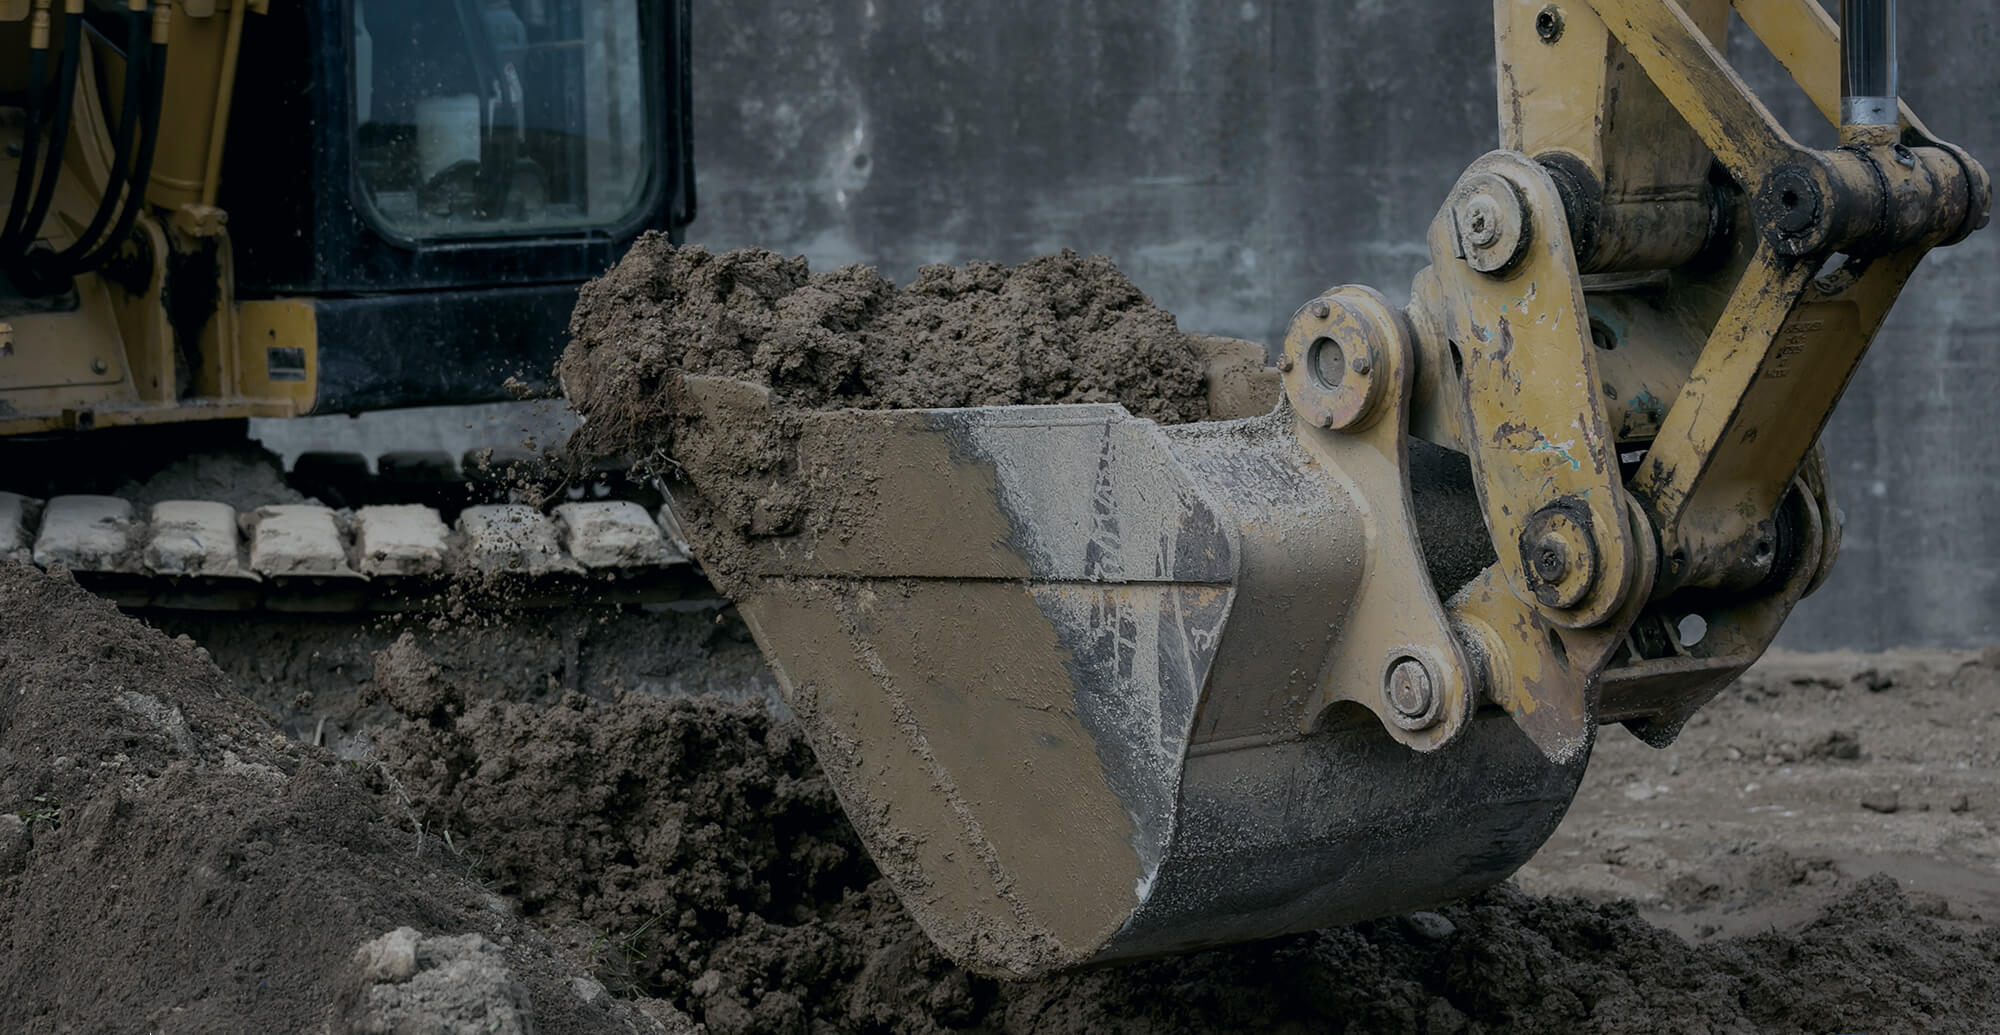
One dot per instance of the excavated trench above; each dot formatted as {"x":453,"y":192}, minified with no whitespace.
{"x":601,"y":819}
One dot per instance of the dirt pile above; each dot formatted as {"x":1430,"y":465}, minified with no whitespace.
{"x":245,"y":477}
{"x":1058,"y":329}
{"x":169,"y":862}
{"x":694,"y":850}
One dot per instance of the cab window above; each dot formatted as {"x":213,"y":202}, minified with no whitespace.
{"x":499,"y":117}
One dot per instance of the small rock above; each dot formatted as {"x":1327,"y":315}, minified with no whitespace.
{"x":587,"y":989}
{"x":391,"y":958}
{"x":1430,"y":926}
{"x":1444,"y":1018}
{"x":1928,"y":903}
{"x":1961,"y":803}
{"x":1884,"y":802}
{"x":1873,"y":679}
{"x":1839,"y":745}
{"x":13,"y":842}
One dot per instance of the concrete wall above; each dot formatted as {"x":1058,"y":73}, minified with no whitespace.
{"x":1237,"y":156}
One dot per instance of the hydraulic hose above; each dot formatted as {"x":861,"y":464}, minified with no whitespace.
{"x":31,"y":139}
{"x":24,"y":217}
{"x":155,"y":68}
{"x":129,"y":120}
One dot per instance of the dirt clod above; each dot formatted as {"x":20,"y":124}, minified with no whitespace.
{"x":451,"y":986}
{"x":1884,"y":801}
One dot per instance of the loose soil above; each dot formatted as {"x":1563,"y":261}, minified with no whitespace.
{"x":245,"y":477}
{"x":1058,"y":329}
{"x":172,"y":863}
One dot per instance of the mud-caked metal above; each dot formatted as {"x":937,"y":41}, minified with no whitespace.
{"x":1067,"y":670}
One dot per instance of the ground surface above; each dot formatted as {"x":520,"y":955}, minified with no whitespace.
{"x":1814,"y":771}
{"x":687,"y":854}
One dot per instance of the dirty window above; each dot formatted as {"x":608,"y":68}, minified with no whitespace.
{"x":499,"y":117}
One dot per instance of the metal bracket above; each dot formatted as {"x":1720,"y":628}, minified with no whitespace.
{"x":1536,"y":432}
{"x":1347,"y":367}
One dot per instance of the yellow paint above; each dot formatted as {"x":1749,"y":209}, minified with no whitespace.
{"x":285,"y":323}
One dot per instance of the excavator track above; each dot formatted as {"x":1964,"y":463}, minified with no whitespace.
{"x":207,"y":555}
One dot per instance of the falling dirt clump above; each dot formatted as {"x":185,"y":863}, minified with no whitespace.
{"x":701,"y":364}
{"x":170,"y":862}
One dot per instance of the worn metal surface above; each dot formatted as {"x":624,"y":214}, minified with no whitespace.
{"x":1093,"y":722}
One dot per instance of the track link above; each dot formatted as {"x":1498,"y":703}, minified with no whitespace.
{"x":204,"y":555}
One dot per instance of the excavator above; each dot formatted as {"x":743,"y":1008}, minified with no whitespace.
{"x":218,"y":210}
{"x":1166,"y":687}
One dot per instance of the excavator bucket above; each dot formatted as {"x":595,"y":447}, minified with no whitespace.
{"x":1087,"y":685}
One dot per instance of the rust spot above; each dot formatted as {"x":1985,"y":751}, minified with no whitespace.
{"x":1508,"y":429}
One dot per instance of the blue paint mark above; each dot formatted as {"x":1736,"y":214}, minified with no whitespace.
{"x":1545,"y":446}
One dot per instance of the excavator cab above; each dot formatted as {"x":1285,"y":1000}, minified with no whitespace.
{"x":219,"y":209}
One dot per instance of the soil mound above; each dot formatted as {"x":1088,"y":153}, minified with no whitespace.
{"x":169,"y":862}
{"x":695,"y":849}
{"x":1058,"y":329}
{"x":245,"y":477}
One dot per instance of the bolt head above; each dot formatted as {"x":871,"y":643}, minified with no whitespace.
{"x":1320,"y":310}
{"x":1551,"y":559}
{"x":1492,"y":222}
{"x":1549,"y":24}
{"x":1559,"y":555}
{"x":98,"y":366}
{"x":1482,"y":221}
{"x":1363,"y":364}
{"x":1411,"y":693}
